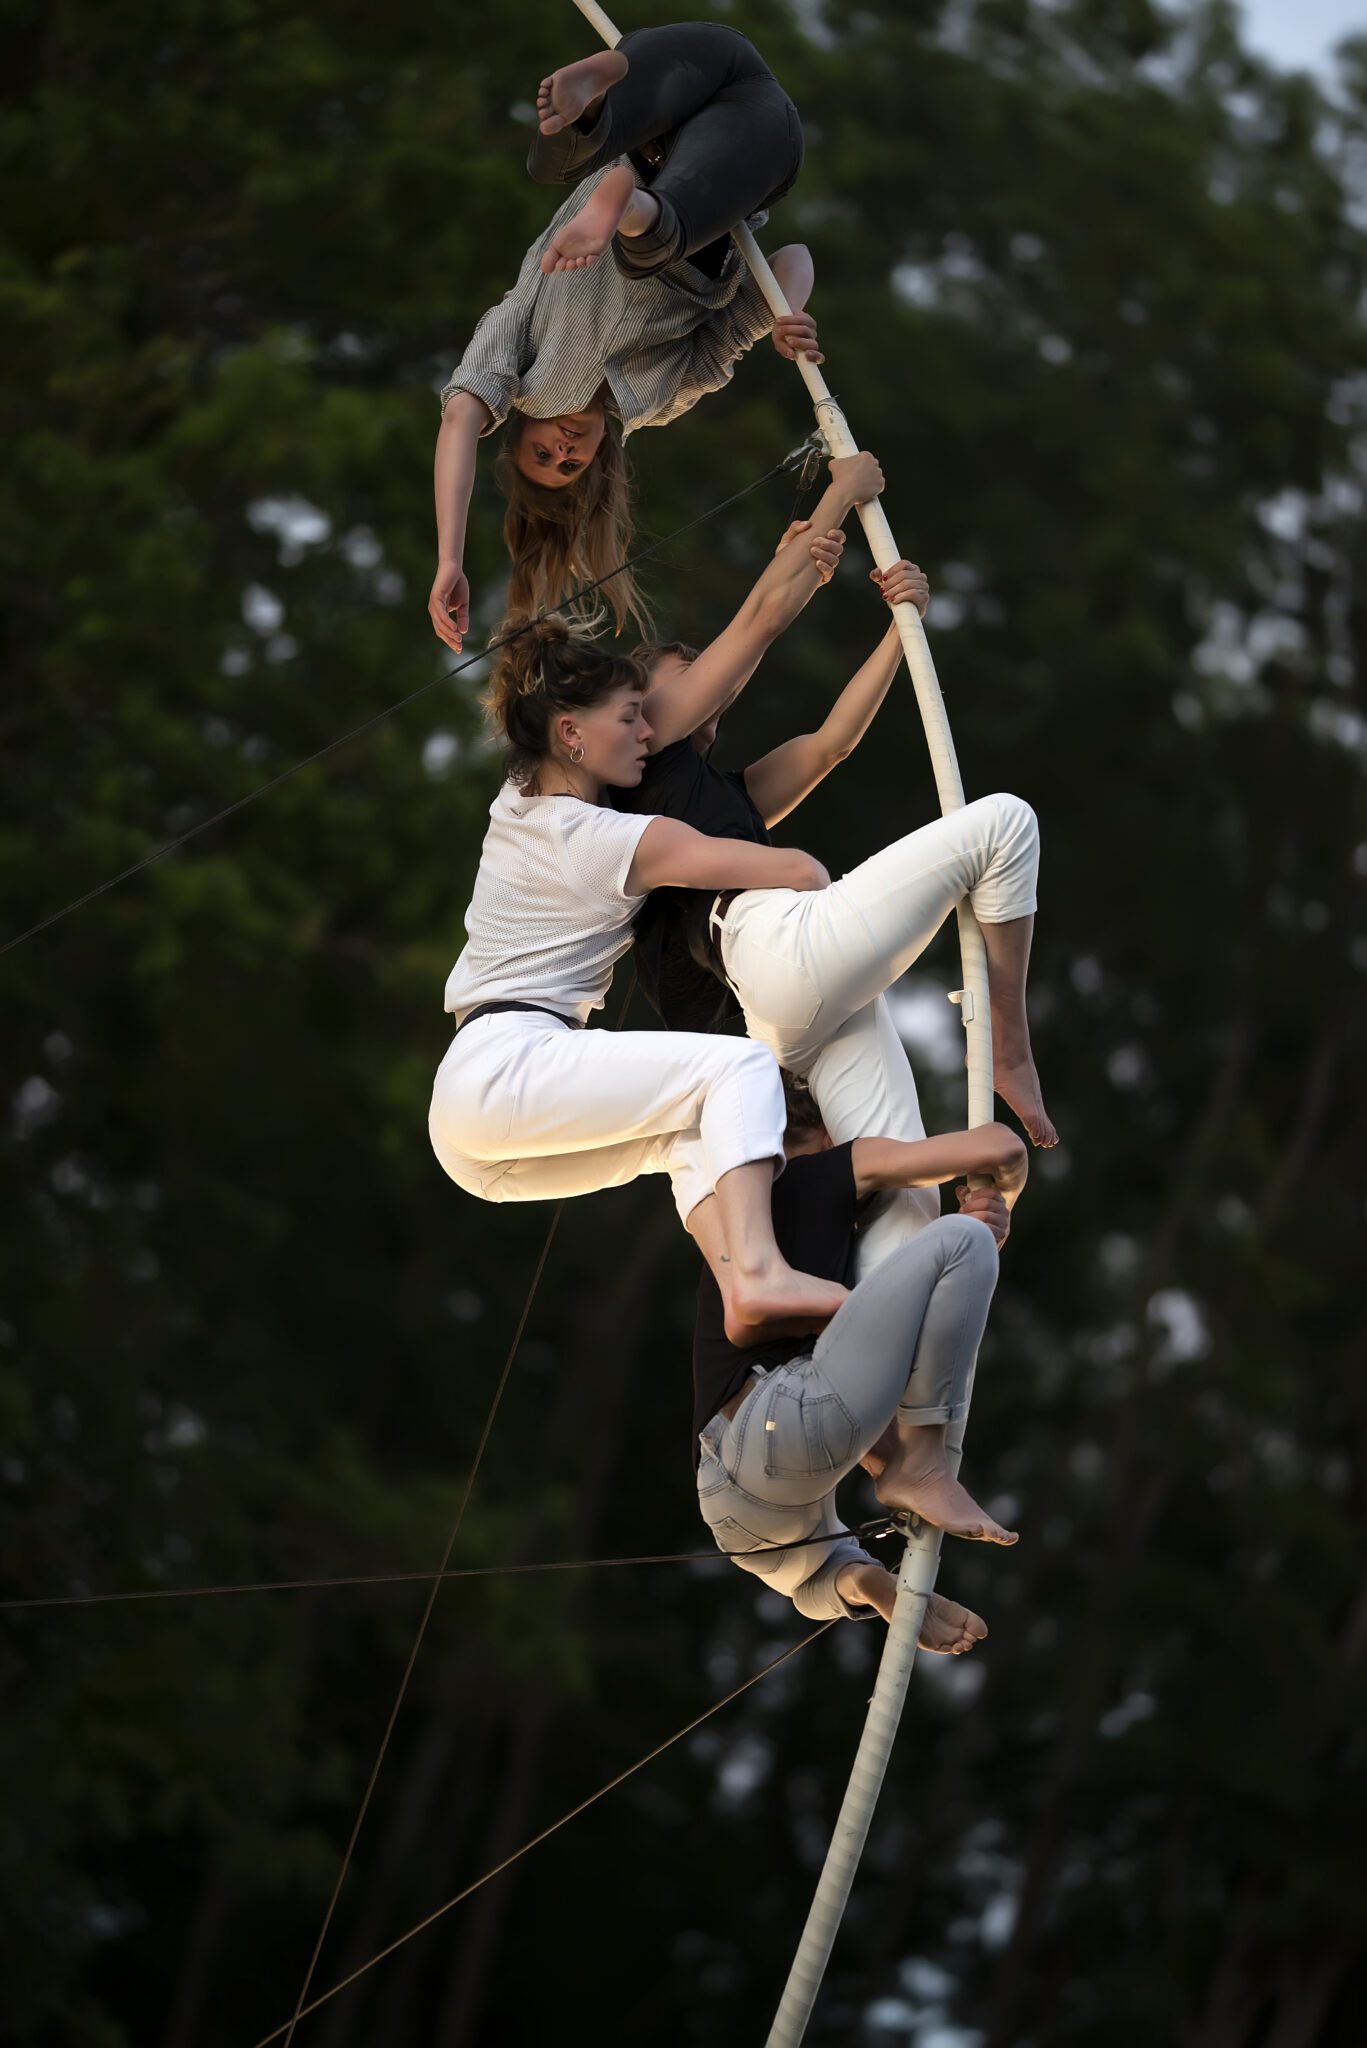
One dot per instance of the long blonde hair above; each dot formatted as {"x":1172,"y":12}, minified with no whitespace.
{"x":551,"y":666}
{"x":559,"y":540}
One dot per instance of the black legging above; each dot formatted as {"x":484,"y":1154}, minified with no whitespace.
{"x":731,"y":137}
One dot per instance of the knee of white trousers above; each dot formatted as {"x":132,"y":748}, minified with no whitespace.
{"x":1018,"y":820}
{"x":1008,"y":888}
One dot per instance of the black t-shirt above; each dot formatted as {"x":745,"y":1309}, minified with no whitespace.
{"x":674,"y":963}
{"x":815,"y":1211}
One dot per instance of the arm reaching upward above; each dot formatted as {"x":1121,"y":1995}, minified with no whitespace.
{"x":792,"y":578}
{"x":778,"y":781}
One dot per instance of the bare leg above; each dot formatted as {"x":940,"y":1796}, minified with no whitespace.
{"x":708,"y":1232}
{"x":947,"y":1629}
{"x":917,"y":1479}
{"x":705,"y":1228}
{"x":876,"y":1456}
{"x":763,"y":1288}
{"x":577,"y":89}
{"x":616,"y":205}
{"x":1017,"y":1083}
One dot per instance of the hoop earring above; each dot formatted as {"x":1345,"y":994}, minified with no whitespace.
{"x":577,"y":753}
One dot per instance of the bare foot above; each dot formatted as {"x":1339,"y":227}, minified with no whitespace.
{"x":1017,"y":1083}
{"x":948,"y":1629}
{"x":928,"y":1490}
{"x":779,"y":1303}
{"x":583,"y":238}
{"x":569,"y":93}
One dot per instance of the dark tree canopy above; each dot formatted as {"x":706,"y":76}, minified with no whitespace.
{"x":1090,"y":282}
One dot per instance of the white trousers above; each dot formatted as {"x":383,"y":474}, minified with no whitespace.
{"x":810,"y":967}
{"x":526,"y":1109}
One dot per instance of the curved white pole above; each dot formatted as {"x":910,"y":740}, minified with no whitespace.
{"x":916,"y":1580}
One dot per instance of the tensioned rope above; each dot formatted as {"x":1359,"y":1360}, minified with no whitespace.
{"x":867,"y":1532}
{"x":804,"y":459}
{"x":219,"y":817}
{"x":418,"y":1639}
{"x":801,"y":458}
{"x":422,"y":1925}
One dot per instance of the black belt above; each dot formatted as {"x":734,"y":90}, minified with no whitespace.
{"x":493,"y":1010}
{"x":719,"y":909}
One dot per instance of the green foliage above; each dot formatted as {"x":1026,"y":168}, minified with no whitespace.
{"x":1089,"y":280}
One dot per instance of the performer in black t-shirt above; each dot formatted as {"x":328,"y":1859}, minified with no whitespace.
{"x":810,"y":981}
{"x":779,"y":1426}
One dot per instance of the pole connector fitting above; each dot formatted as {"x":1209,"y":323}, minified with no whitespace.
{"x":964,"y":998}
{"x":807,"y":458}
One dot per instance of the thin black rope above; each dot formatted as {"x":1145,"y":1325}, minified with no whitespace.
{"x":866,"y":1532}
{"x":536,"y":1840}
{"x":378,"y":717}
{"x":435,"y":1588}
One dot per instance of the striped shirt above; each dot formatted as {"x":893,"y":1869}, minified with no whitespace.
{"x":662,"y":341}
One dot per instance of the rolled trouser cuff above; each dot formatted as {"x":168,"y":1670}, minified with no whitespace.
{"x":661,"y":244}
{"x":570,"y":156}
{"x":743,"y":1119}
{"x":939,"y":1411}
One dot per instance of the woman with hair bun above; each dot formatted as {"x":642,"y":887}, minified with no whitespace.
{"x":527,"y":1104}
{"x":632,"y":306}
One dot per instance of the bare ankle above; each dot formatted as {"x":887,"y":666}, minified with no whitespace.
{"x":643,"y":210}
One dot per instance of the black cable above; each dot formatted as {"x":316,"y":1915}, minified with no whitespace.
{"x":288,"y":2029}
{"x":376,"y":718}
{"x":436,"y":1583}
{"x":865,"y":1532}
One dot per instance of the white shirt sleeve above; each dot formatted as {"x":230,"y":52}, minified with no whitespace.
{"x":598,"y":847}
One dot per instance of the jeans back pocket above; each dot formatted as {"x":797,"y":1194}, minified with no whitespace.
{"x":808,"y":1430}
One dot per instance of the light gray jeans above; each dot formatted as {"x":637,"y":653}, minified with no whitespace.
{"x":904,"y":1341}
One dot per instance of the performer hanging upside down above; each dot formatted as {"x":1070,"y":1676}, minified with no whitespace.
{"x":810,"y":981}
{"x":778,"y":1427}
{"x":671,"y":140}
{"x":529,"y":1106}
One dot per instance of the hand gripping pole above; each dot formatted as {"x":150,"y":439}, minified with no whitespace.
{"x":916,"y":1580}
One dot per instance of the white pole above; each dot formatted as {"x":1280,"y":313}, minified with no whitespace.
{"x":916,"y":1580}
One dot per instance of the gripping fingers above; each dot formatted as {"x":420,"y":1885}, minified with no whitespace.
{"x":826,"y":551}
{"x":794,"y":335}
{"x":903,"y":583}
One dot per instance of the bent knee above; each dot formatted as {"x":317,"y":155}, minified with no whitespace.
{"x":967,"y":1240}
{"x":1017,"y":817}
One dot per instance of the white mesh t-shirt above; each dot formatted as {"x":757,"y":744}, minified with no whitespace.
{"x":550,"y":915}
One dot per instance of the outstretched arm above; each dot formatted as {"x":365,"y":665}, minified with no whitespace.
{"x":990,"y":1150}
{"x":671,"y":855}
{"x":792,"y":578}
{"x":778,"y":781}
{"x":462,"y":423}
